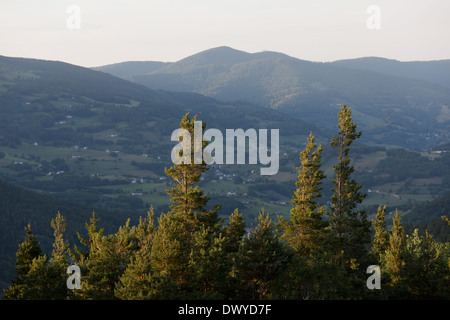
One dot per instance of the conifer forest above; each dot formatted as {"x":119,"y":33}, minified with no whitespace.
{"x":326,"y":249}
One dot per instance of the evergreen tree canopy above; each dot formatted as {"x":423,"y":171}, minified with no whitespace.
{"x":188,"y":253}
{"x":305,"y":231}
{"x":348,"y":223}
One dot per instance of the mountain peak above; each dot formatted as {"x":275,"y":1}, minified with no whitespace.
{"x":222,"y":55}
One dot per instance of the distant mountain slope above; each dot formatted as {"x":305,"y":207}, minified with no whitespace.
{"x":46,"y":92}
{"x":407,"y":105}
{"x":224,"y":56}
{"x":433,"y":71}
{"x":29,"y":76}
{"x":131,"y":68}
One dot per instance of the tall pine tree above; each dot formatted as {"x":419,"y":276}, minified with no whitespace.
{"x":305,"y":230}
{"x":348,"y":223}
{"x":60,"y":258}
{"x":380,"y":240}
{"x":395,"y":255}
{"x":189,"y":200}
{"x":188,"y":239}
{"x":29,"y":250}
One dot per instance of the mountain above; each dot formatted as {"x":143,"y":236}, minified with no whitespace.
{"x":434,"y":71}
{"x":131,"y":68}
{"x":58,"y":105}
{"x":29,"y":76}
{"x":406,"y":105}
{"x":90,"y":138}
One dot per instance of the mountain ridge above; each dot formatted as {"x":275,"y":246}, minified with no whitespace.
{"x":405,"y":100}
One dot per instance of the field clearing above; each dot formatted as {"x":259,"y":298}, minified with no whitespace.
{"x":369,"y":162}
{"x":383,"y":199}
{"x":284,"y":176}
{"x":427,"y":181}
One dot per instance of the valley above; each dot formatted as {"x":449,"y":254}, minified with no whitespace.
{"x":89,"y":141}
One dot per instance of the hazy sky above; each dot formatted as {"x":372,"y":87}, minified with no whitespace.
{"x":98,"y":32}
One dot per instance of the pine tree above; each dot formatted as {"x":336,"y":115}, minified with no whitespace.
{"x":208,"y":266}
{"x":348,"y":224}
{"x":36,"y":277}
{"x":394,"y":258}
{"x":380,"y":240}
{"x":305,"y":231}
{"x":189,"y":201}
{"x":425,"y":271}
{"x":435,"y":265}
{"x":104,"y":263}
{"x":262,"y":259}
{"x":188,"y":240}
{"x":90,"y":242}
{"x":234,"y":232}
{"x":60,"y":247}
{"x":139,"y":282}
{"x":414,"y":266}
{"x":170,"y":250}
{"x":60,"y":258}
{"x":28,"y":251}
{"x":44,"y":281}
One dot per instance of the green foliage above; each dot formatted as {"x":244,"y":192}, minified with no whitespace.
{"x":416,"y":267}
{"x":188,"y":253}
{"x":261,"y":260}
{"x":234,"y":232}
{"x":36,"y":277}
{"x":380,"y":240}
{"x":348,"y":223}
{"x":187,"y":198}
{"x":402,"y":164}
{"x":305,"y":231}
{"x":188,"y":246}
{"x":429,"y":210}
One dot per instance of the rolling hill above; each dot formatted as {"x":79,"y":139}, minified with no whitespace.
{"x":402,"y":104}
{"x":434,"y":71}
{"x":132,"y":68}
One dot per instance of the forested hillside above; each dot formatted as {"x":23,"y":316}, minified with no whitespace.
{"x":190,"y":253}
{"x":20,"y":207}
{"x":396,"y":103}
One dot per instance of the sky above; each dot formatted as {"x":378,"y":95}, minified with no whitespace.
{"x":93,"y":33}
